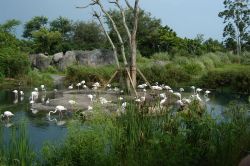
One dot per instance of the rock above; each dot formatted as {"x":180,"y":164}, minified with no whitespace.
{"x":40,"y":61}
{"x":57,"y":57}
{"x":97,"y":57}
{"x":68,"y":59}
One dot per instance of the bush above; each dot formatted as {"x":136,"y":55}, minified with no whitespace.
{"x":36,"y":78}
{"x":161,"y":56}
{"x":13,"y":62}
{"x":207,"y":62}
{"x":236,"y":77}
{"x":166,"y":74}
{"x":89,"y":74}
{"x":180,"y":60}
{"x":175,"y":138}
{"x":194,"y":67}
{"x":215,"y":58}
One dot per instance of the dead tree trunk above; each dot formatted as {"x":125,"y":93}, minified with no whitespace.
{"x":133,"y":42}
{"x":109,"y":39}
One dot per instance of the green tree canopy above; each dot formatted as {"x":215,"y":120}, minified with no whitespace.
{"x":47,"y":41}
{"x":62,"y":25}
{"x":34,"y":24}
{"x":88,"y":35}
{"x":237,"y":19}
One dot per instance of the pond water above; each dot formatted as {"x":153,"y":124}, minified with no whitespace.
{"x":41,"y":129}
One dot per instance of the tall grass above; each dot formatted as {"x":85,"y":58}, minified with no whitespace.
{"x":173,"y":138}
{"x":16,"y":150}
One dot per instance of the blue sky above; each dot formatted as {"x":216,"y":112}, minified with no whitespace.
{"x":187,"y":17}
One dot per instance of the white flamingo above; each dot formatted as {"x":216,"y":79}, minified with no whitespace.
{"x":59,"y":109}
{"x":7,"y":114}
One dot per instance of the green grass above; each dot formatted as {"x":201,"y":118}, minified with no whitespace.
{"x":185,"y":138}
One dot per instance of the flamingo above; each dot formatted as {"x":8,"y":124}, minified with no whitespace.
{"x":58,"y":108}
{"x":181,"y":90}
{"x":72,"y":103}
{"x":47,"y":101}
{"x":78,"y":85}
{"x":207,"y":92}
{"x":71,"y":87}
{"x":90,"y":97}
{"x":15,"y":92}
{"x":7,"y":114}
{"x":21,"y":93}
{"x":43,"y":87}
{"x":83,"y":82}
{"x":193,"y":87}
{"x":163,"y":100}
{"x":177,"y":94}
{"x":104,"y":100}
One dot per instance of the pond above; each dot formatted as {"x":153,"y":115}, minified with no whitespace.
{"x":42,"y":129}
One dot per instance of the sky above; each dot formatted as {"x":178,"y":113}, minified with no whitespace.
{"x":186,"y":17}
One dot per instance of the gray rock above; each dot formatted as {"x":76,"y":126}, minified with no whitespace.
{"x":68,"y":59}
{"x":97,"y":57}
{"x":57,"y":57}
{"x":40,"y":61}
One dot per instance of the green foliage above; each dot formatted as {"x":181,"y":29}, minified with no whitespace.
{"x":9,"y":25}
{"x":171,"y":74}
{"x":46,"y":41}
{"x":62,"y":25}
{"x":33,"y":25}
{"x":88,"y":35}
{"x":161,"y":56}
{"x":236,"y":77}
{"x":13,"y":63}
{"x":89,"y":74}
{"x":36,"y":78}
{"x":190,"y":137}
{"x":16,"y":150}
{"x":237,"y":18}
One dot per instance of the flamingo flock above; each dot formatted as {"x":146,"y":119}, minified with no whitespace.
{"x":165,"y":93}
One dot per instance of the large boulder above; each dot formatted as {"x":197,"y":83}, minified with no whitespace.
{"x":97,"y":57}
{"x":67,"y":60}
{"x":40,"y":61}
{"x":57,"y":57}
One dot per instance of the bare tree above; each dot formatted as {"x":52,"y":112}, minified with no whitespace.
{"x":131,"y":35}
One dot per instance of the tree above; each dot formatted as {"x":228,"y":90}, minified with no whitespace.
{"x":88,"y":35}
{"x":47,"y":41}
{"x":9,"y":25}
{"x":237,"y":18}
{"x":212,"y":45}
{"x":148,"y":27}
{"x":62,"y":25}
{"x":34,"y":24}
{"x":132,"y":34}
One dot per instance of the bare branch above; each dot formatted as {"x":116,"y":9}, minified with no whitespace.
{"x":116,"y":30}
{"x":123,"y":19}
{"x":83,"y":7}
{"x":129,"y":6}
{"x":95,"y":14}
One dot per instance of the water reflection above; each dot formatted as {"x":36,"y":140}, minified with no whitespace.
{"x":42,"y":128}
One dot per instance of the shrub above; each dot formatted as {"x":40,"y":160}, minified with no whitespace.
{"x":207,"y":62}
{"x":161,"y":56}
{"x":194,"y":67}
{"x":181,"y":60}
{"x":89,"y":74}
{"x":215,"y":58}
{"x":235,"y":77}
{"x":13,"y":62}
{"x":36,"y":78}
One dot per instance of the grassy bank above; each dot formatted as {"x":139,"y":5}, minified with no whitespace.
{"x":208,"y":69}
{"x":183,"y":138}
{"x":191,"y":137}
